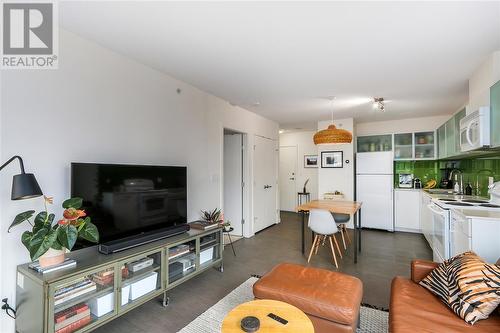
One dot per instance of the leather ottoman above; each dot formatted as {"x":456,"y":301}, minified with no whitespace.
{"x":330,"y":299}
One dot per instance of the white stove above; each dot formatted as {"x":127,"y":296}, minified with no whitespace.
{"x":441,"y":208}
{"x":469,"y":203}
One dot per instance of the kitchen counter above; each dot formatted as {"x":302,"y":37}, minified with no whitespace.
{"x":453,"y":196}
{"x":481,"y":214}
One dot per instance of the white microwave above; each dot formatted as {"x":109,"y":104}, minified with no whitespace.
{"x":475,"y":130}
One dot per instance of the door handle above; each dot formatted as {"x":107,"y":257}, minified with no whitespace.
{"x":267,"y":186}
{"x":292,"y":178}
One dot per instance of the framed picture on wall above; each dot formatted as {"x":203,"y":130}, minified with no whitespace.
{"x":310,"y":161}
{"x":332,"y":159}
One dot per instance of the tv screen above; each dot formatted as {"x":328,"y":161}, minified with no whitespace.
{"x":127,"y":200}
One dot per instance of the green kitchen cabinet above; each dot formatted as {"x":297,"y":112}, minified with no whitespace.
{"x":495,"y":114}
{"x":451,"y":137}
{"x":441,"y":133}
{"x":458,"y":116}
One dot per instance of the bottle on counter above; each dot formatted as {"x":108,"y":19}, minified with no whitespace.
{"x":456,"y":187}
{"x":468,"y":189}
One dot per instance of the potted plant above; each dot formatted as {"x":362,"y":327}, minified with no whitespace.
{"x":213,"y":216}
{"x":226,"y":225}
{"x":48,"y":241}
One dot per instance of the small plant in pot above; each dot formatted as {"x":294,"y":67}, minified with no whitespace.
{"x":48,"y":241}
{"x":212,"y":216}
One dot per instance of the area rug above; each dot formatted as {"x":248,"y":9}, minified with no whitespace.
{"x":372,"y":320}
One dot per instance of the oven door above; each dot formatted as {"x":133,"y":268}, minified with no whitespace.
{"x":441,"y":232}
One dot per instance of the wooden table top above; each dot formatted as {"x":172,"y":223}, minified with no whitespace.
{"x":297,"y":320}
{"x":334,"y":206}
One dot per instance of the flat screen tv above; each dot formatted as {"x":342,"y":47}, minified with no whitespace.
{"x":128,"y":200}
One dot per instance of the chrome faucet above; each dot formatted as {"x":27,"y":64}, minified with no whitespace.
{"x":459,"y":179}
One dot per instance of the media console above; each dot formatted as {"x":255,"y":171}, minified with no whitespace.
{"x":103,"y":287}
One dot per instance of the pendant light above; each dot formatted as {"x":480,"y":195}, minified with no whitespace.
{"x":332,"y":134}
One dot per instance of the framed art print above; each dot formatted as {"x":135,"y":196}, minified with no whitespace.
{"x":310,"y":161}
{"x":332,"y":159}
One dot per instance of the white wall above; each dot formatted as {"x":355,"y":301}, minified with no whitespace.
{"x":486,"y":75}
{"x":341,"y":179}
{"x":305,"y":146}
{"x":102,"y":107}
{"x":401,"y":126}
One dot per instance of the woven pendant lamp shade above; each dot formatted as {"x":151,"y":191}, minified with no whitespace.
{"x":332,"y":135}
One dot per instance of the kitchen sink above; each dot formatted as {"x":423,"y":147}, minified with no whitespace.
{"x":439,"y":191}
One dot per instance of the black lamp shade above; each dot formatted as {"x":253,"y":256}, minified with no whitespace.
{"x":25,"y":186}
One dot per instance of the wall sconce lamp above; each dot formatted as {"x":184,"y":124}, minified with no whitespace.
{"x":24,"y":185}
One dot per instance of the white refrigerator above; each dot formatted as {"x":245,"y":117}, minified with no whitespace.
{"x":374,"y":188}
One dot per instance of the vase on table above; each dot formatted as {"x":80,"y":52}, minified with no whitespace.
{"x":52,"y":257}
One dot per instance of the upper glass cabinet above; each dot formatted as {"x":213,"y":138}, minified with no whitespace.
{"x":403,"y":146}
{"x":374,"y":143}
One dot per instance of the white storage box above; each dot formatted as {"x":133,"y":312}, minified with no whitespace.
{"x":143,"y":286}
{"x":102,"y":305}
{"x":125,"y":294}
{"x":206,"y":255}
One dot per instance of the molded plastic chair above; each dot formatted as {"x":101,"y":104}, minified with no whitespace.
{"x":341,"y":220}
{"x":321,"y":222}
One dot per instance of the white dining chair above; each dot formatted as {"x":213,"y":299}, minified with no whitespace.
{"x":323,"y":226}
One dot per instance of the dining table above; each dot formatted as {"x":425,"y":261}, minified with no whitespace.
{"x":352,"y":208}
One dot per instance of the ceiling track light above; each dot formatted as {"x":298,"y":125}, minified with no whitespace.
{"x":379,"y":103}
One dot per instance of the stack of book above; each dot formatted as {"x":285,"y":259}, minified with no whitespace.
{"x":71,"y":319}
{"x":203,"y":225}
{"x":105,"y":278}
{"x":68,"y":263}
{"x":75,"y":290}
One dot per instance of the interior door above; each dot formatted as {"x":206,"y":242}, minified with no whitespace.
{"x":233,"y":181}
{"x":288,"y":178}
{"x":265,"y":181}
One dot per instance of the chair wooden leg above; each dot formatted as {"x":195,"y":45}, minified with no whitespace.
{"x":318,"y":244}
{"x":335,"y":240}
{"x":343,"y":239}
{"x":347,"y":235}
{"x":337,"y":245}
{"x":333,"y":251}
{"x":312,"y":247}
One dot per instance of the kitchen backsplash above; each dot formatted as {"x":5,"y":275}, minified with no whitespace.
{"x":475,"y":171}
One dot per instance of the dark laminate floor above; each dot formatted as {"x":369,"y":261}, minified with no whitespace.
{"x":384,"y":255}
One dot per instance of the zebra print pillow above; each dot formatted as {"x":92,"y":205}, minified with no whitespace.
{"x":468,"y":285}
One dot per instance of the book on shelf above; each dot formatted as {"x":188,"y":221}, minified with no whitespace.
{"x":176,"y":255}
{"x":72,"y":319}
{"x":70,"y":312}
{"x":203,"y":225}
{"x":106,"y":277}
{"x":73,"y":293}
{"x":68,"y":263}
{"x":75,"y":326}
{"x":78,"y":284}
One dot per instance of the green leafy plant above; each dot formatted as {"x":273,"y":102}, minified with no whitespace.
{"x":46,"y":234}
{"x":212,"y":216}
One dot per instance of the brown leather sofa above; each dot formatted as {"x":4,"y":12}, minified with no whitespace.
{"x":415,"y":309}
{"x":330,"y":299}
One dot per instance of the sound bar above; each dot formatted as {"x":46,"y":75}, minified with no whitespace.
{"x":141,"y":239}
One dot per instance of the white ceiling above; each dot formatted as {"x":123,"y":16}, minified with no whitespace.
{"x":288,"y":55}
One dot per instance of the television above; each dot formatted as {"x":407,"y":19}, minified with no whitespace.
{"x":127,"y":201}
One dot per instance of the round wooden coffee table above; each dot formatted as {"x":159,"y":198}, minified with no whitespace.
{"x":297,"y":320}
